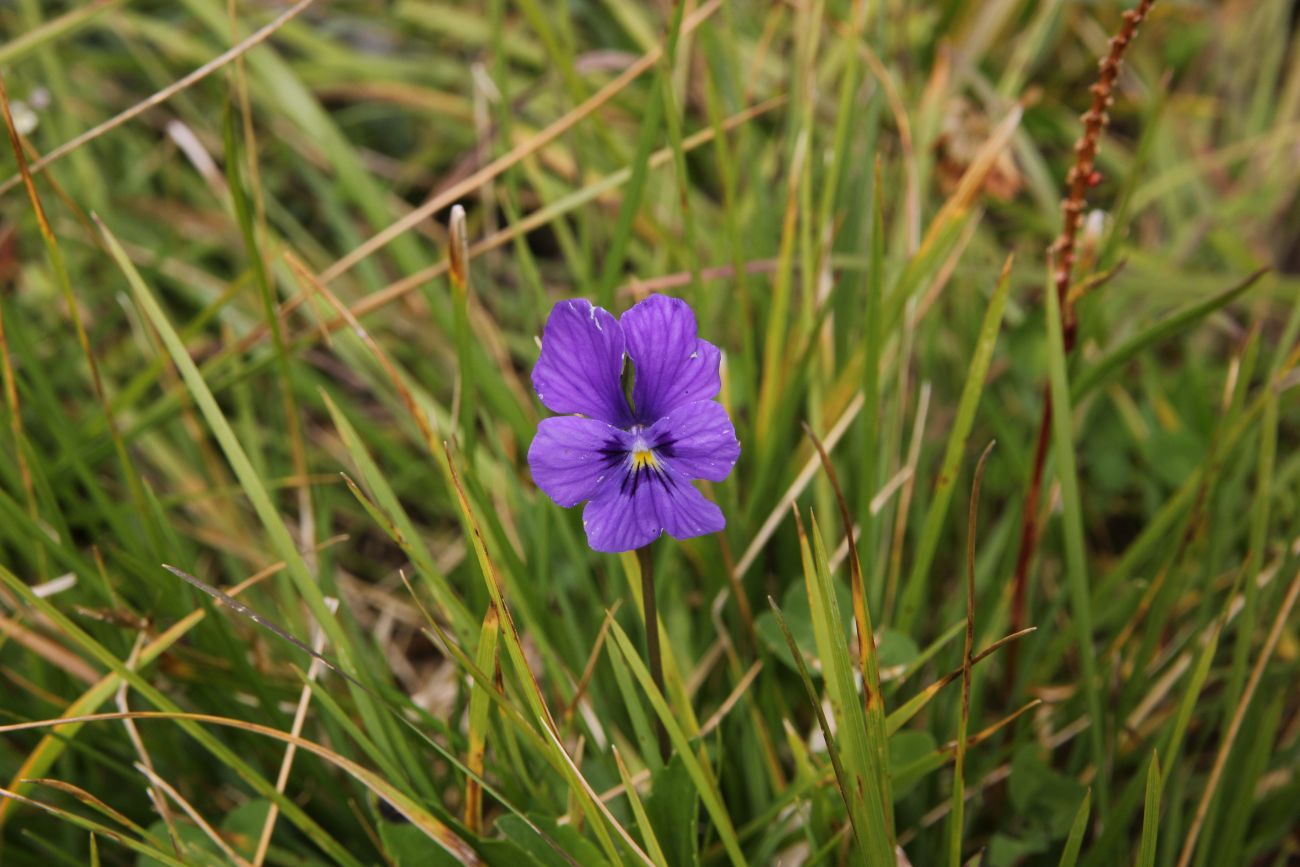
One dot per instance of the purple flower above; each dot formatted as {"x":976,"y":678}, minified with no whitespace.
{"x":633,"y":464}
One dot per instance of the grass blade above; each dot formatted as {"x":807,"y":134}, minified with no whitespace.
{"x":1076,"y":567}
{"x":1172,"y":325}
{"x":1079,"y":827}
{"x":918,"y":580}
{"x":1151,"y":815}
{"x":700,"y":772}
{"x":862,"y":745}
{"x":842,"y":781}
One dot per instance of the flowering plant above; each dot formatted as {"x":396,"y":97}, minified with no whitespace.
{"x":631,"y":461}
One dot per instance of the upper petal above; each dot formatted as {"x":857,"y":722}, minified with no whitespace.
{"x":673,"y":366}
{"x":581,"y":362}
{"x":570,"y":457}
{"x":699,"y":440}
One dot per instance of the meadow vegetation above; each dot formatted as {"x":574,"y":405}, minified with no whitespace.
{"x":261,"y":400}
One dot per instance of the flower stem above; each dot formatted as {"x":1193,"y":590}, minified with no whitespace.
{"x":653,"y":655}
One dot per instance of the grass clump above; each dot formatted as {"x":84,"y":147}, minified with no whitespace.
{"x":271,"y":282}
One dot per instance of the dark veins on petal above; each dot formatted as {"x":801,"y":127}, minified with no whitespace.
{"x":615,"y":453}
{"x":647,"y":473}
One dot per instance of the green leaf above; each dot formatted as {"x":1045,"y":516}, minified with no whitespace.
{"x":1007,"y":851}
{"x":196,"y":848}
{"x":674,"y":810}
{"x":242,"y":826}
{"x":1042,"y":794}
{"x":576,"y":849}
{"x":794,"y":608}
{"x":895,"y":649}
{"x":408,"y":846}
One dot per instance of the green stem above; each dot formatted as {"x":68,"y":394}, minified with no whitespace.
{"x":652,"y":651}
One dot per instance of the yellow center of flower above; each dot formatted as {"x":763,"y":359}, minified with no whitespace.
{"x":644,"y":457}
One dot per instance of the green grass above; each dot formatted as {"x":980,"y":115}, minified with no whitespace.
{"x":231,"y":344}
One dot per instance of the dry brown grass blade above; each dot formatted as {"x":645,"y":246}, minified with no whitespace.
{"x":25,"y":177}
{"x":100,"y":691}
{"x":408,"y":399}
{"x":972,"y":180}
{"x":88,"y":799}
{"x":195,"y":816}
{"x":48,"y":649}
{"x":1239,"y":714}
{"x":589,"y":669}
{"x":407,"y":807}
{"x":734,"y":696}
{"x":299,"y":719}
{"x":535,"y":220}
{"x":921,"y":699}
{"x":408,"y":284}
{"x":491,"y":170}
{"x":10,"y":384}
{"x":257,"y":38}
{"x":796,"y":488}
{"x":909,"y":485}
{"x":638,"y":288}
{"x":868,"y":666}
{"x":985,"y":733}
{"x":157,"y":793}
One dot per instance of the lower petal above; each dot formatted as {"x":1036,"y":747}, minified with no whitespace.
{"x":570,"y":457}
{"x":621,"y":518}
{"x":631,"y":511}
{"x":683,"y":511}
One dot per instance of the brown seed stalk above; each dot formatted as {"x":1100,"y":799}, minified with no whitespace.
{"x":1061,"y":255}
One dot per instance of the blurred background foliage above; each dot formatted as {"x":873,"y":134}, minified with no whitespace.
{"x":159,"y":410}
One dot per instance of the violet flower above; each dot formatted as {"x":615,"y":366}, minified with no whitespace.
{"x":633,"y":464}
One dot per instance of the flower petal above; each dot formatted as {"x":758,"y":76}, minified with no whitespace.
{"x":673,"y":366}
{"x":621,"y":516}
{"x":698,"y":438}
{"x":633,"y":510}
{"x":683,"y":511}
{"x":581,"y":362}
{"x":570,"y":457}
